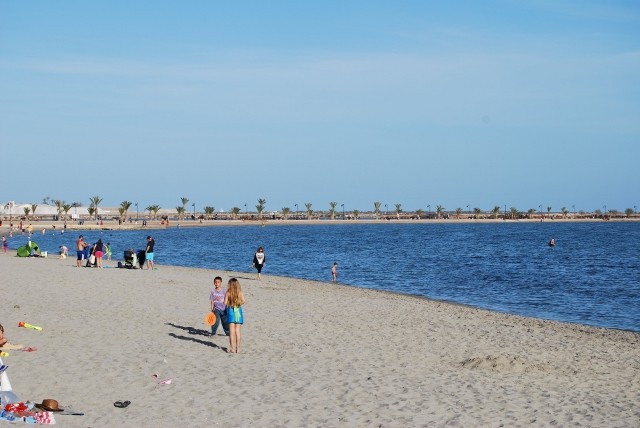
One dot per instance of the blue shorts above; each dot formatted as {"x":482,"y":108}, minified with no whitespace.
{"x":150,"y":257}
{"x":80,"y":254}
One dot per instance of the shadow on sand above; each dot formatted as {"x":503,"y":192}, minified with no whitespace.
{"x":195,"y":332}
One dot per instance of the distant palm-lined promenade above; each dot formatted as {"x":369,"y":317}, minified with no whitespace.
{"x":131,"y":213}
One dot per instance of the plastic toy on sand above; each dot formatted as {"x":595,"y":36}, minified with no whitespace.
{"x":29,"y":326}
{"x":210,"y":319}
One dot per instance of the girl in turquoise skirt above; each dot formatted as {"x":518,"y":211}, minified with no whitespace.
{"x":234,"y":299}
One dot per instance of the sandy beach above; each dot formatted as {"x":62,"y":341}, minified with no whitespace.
{"x":314,"y":354}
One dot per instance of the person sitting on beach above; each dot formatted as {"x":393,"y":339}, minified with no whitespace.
{"x":34,"y":251}
{"x":3,"y":338}
{"x":64,"y":252}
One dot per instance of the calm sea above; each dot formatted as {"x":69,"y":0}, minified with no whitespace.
{"x":591,"y":276}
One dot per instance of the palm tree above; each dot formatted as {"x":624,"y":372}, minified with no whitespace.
{"x":95,"y":201}
{"x":91,"y":210}
{"x":184,"y":201}
{"x":565,"y":211}
{"x":260,"y":207}
{"x":332,"y":211}
{"x":208,"y":211}
{"x":46,"y":200}
{"x":125,"y":205}
{"x":153,"y":209}
{"x":66,"y":208}
{"x":308,"y":205}
{"x":58,"y":203}
{"x":122,"y":212}
{"x":531,"y":212}
{"x":629,"y":212}
{"x":477,"y":212}
{"x":356,"y":214}
{"x":439,"y":211}
{"x":419,"y":213}
{"x":180,"y":211}
{"x":458,"y":212}
{"x":376,"y":209}
{"x":495,"y":211}
{"x":26,"y":210}
{"x":549,"y":211}
{"x":514,"y":212}
{"x":33,"y":208}
{"x":235,"y":211}
{"x":398,"y":210}
{"x":285,"y":212}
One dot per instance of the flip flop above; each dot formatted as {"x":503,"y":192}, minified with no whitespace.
{"x":165,"y":382}
{"x":122,"y":404}
{"x":4,"y":354}
{"x":3,"y":368}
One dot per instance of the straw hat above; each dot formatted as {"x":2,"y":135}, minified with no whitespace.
{"x":49,"y":405}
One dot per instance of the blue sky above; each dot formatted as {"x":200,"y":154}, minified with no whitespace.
{"x":499,"y":102}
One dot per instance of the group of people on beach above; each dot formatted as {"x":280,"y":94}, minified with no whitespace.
{"x":226,"y":305}
{"x":95,"y":253}
{"x":92,"y":253}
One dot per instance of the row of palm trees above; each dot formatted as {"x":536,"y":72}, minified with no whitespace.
{"x":439,"y":211}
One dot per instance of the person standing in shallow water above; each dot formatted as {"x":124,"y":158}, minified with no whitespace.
{"x":334,"y":272}
{"x":259,"y":260}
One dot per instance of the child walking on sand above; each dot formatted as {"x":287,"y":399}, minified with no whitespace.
{"x":234,"y":299}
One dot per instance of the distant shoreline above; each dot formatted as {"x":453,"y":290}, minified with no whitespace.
{"x":38,"y":226}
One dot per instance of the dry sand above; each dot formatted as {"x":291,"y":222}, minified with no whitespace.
{"x":313,"y":354}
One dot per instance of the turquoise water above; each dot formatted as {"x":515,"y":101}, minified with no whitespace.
{"x":591,"y":276}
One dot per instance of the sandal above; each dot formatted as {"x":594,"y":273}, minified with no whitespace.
{"x":122,"y":404}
